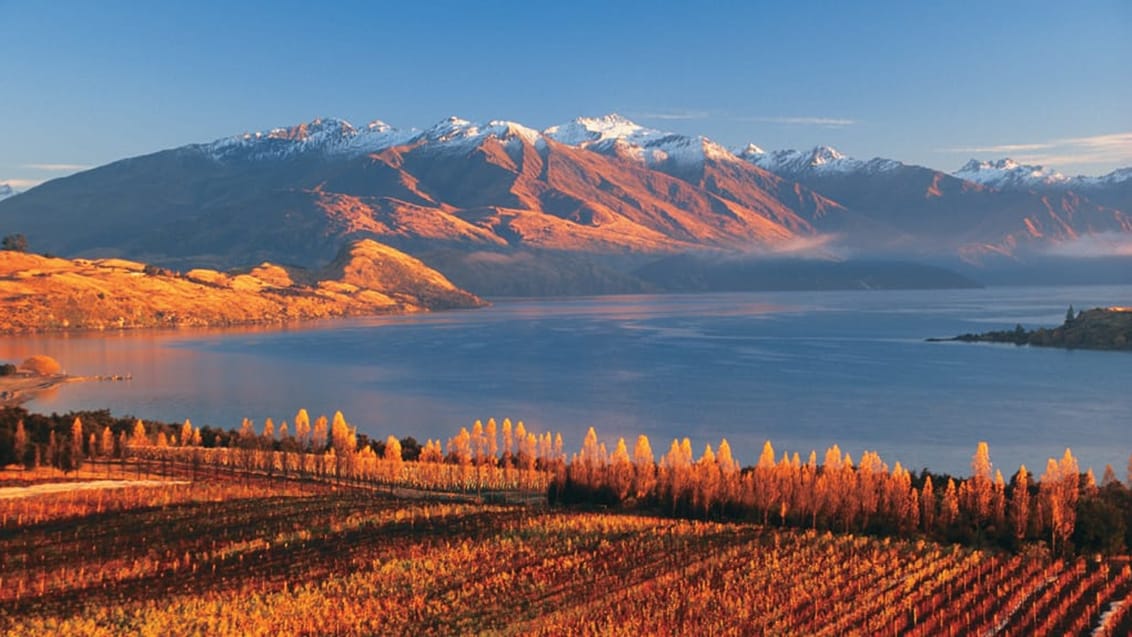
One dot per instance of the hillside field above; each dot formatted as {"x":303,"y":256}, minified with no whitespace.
{"x":256,"y":555}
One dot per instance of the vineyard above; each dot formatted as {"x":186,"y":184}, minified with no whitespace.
{"x":257,"y":555}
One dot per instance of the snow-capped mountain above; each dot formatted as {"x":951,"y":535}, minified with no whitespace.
{"x":6,"y":191}
{"x":1007,"y":174}
{"x":332,"y":136}
{"x":820,"y":160}
{"x":615,"y":135}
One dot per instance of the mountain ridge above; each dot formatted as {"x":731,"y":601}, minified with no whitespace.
{"x":605,"y":189}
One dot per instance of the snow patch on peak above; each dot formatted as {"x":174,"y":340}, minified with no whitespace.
{"x":6,"y":191}
{"x":329,"y":135}
{"x":820,"y":160}
{"x":749,"y":151}
{"x":587,"y":130}
{"x":1006,"y":173}
{"x":824,"y":155}
{"x":455,"y":132}
{"x":616,"y":135}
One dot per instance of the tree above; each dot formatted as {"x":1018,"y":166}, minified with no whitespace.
{"x":1070,"y":315}
{"x":393,"y":460}
{"x":303,"y":429}
{"x":15,"y":242}
{"x":492,"y":434}
{"x":186,"y":437}
{"x":21,"y":444}
{"x":644,"y":468}
{"x":621,"y":471}
{"x":106,"y":444}
{"x":76,"y":443}
{"x":1109,"y":476}
{"x":139,"y":438}
{"x":981,"y":484}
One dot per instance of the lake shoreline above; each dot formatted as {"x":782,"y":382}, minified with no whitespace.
{"x":18,"y":389}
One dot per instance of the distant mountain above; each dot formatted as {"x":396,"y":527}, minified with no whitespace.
{"x":1007,"y":174}
{"x":936,"y":213}
{"x":506,"y":209}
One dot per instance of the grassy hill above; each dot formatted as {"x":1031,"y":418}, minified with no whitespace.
{"x":45,"y":293}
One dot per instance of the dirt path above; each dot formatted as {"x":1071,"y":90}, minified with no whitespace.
{"x":10,"y":493}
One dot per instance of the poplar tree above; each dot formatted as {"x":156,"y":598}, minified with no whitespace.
{"x":21,"y":443}
{"x":644,"y":468}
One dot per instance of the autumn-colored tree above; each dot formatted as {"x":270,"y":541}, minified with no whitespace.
{"x":392,"y":457}
{"x":491,"y":431}
{"x":268,"y":432}
{"x":728,"y":473}
{"x":706,"y":481}
{"x":522,"y":458}
{"x":508,"y":439}
{"x":1059,"y":492}
{"x":981,"y":486}
{"x":185,"y":439}
{"x":621,"y":471}
{"x":77,"y":437}
{"x":303,"y":429}
{"x":998,"y":501}
{"x":106,"y":443}
{"x":765,"y":494}
{"x":479,"y":443}
{"x":247,"y":435}
{"x":1109,"y":477}
{"x":20,"y":443}
{"x":949,"y":505}
{"x":318,"y":434}
{"x":871,"y":475}
{"x":139,"y":437}
{"x":644,"y":468}
{"x":341,"y":436}
{"x":928,"y":506}
{"x":460,"y":447}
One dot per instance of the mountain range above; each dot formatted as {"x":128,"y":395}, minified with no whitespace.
{"x":582,"y":207}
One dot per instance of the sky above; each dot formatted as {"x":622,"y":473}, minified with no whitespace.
{"x":935,"y":84}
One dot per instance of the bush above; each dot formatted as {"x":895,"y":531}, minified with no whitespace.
{"x":15,"y":242}
{"x":42,"y":365}
{"x":7,"y":369}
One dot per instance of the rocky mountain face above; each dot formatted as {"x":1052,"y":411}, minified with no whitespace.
{"x":504,"y":209}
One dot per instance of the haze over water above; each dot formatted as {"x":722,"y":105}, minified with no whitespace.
{"x":802,"y":369}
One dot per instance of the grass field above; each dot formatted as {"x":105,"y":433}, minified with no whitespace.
{"x":258,"y":555}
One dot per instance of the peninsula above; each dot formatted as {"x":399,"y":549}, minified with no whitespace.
{"x":1107,"y":328}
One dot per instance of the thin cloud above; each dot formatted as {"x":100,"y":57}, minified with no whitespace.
{"x":1110,"y":148}
{"x":672,"y":115}
{"x":1107,"y":244}
{"x":22,"y":184}
{"x":829,"y":122}
{"x":1001,"y":148}
{"x":57,"y":167}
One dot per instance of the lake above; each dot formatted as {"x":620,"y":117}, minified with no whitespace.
{"x":802,"y":369}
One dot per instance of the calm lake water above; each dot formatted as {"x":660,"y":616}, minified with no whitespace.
{"x":804,"y":370}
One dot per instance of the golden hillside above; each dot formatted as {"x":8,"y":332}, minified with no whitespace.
{"x":44,"y":293}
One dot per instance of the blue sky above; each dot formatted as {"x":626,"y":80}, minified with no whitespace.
{"x":86,"y":83}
